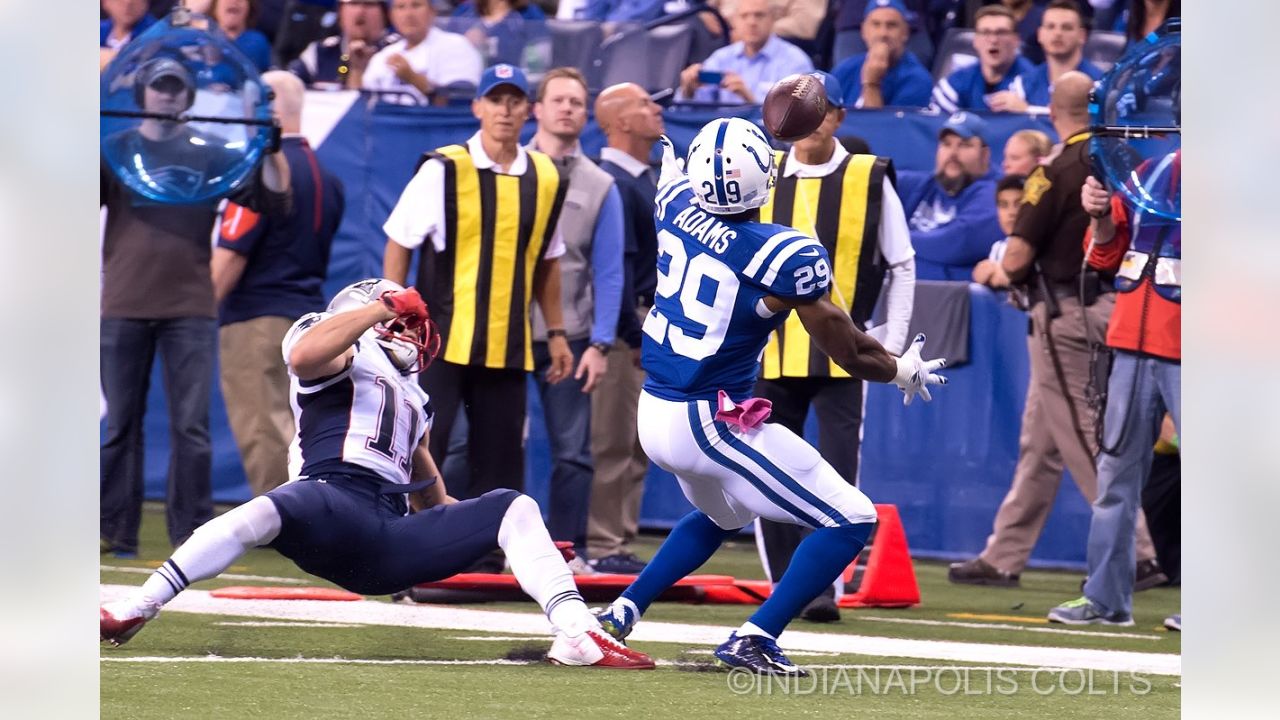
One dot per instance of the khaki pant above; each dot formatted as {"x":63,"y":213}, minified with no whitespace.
{"x":620,"y":463}
{"x":255,"y":388}
{"x":1057,"y":430}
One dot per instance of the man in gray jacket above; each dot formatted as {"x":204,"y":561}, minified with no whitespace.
{"x":591,"y":292}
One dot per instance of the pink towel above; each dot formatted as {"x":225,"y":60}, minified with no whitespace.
{"x":750,"y":415}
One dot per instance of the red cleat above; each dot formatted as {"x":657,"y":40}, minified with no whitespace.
{"x":118,"y":625}
{"x":596,"y":649}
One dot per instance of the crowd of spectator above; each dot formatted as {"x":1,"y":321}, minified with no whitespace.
{"x":968,"y":218}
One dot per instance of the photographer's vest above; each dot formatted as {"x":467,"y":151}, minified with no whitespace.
{"x":842,"y":210}
{"x":496,"y":230}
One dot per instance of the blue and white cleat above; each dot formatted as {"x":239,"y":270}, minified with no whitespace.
{"x":619,"y":619}
{"x":758,"y":654}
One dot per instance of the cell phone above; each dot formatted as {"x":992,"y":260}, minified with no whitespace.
{"x":710,"y":77}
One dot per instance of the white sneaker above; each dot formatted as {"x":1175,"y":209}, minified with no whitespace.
{"x":597,"y":649}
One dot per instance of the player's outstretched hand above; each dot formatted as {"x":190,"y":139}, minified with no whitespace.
{"x":672,"y":166}
{"x":407,"y":305}
{"x":915,"y":374}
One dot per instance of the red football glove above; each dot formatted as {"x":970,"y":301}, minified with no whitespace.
{"x":407,"y":305}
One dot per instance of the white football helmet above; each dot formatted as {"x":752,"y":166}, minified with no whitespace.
{"x":410,"y":349}
{"x":731,"y":167}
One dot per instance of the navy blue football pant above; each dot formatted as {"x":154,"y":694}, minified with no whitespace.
{"x":344,"y":529}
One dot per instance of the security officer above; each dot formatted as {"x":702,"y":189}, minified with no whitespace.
{"x":1045,"y":255}
{"x":849,"y":203}
{"x":484,"y":215}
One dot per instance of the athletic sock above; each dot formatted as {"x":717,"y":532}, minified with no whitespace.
{"x":540,"y":568}
{"x":691,"y":543}
{"x":750,"y":628}
{"x":210,"y":551}
{"x":817,"y":562}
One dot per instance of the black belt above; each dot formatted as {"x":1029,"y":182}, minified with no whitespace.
{"x":1093,"y":288}
{"x":371,"y":482}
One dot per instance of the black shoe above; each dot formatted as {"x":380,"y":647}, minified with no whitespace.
{"x":980,"y":572}
{"x":821,"y":609}
{"x":619,"y":564}
{"x":757,"y":654}
{"x":492,"y":563}
{"x":1148,"y":574}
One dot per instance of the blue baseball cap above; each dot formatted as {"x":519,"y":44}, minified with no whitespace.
{"x":873,"y":5}
{"x":502,"y":74}
{"x":966,"y":125}
{"x":835,"y":93}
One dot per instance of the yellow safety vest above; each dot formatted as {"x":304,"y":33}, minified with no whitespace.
{"x":842,"y":210}
{"x":496,"y":230}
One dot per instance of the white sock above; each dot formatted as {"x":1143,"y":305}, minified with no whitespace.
{"x":540,"y":568}
{"x":622,"y":602}
{"x":209,"y":551}
{"x":752,"y":629}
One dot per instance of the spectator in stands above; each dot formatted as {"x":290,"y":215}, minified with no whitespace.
{"x":268,"y":271}
{"x":952,"y":219}
{"x":342,"y":59}
{"x":631,"y":123}
{"x":1044,"y":257}
{"x":1023,"y":152}
{"x":126,"y":19}
{"x":798,"y":20}
{"x":591,"y":284}
{"x":1008,"y":201}
{"x":500,"y":29}
{"x":996,"y":42}
{"x":1062,"y":35}
{"x":1027,"y":15}
{"x":849,"y":40}
{"x":1145,"y":331}
{"x":467,"y":275}
{"x":637,"y":11}
{"x":744,"y":71}
{"x":424,"y":60}
{"x":887,"y":74}
{"x":1144,"y":17}
{"x":157,"y":295}
{"x":236,"y":18}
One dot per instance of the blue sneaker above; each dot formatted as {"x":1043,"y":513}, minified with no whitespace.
{"x":1082,"y":612}
{"x":758,"y":654}
{"x":619,"y":619}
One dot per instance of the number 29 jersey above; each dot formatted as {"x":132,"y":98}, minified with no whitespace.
{"x":367,"y":415}
{"x":709,"y":323}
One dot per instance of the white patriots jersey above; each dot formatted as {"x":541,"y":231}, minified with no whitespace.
{"x":368,"y":415}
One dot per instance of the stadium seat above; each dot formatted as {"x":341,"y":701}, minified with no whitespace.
{"x":652,"y":58}
{"x":303,"y":23}
{"x":954,"y":52}
{"x":1104,"y":48}
{"x":574,"y":44}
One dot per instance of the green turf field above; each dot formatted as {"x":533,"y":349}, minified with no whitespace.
{"x":197,"y":665}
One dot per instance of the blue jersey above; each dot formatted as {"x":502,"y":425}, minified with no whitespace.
{"x":709,"y":324}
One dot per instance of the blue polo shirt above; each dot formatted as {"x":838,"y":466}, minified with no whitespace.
{"x":1034,"y":86}
{"x":907,"y":84}
{"x":966,"y":89}
{"x":776,"y":60}
{"x":288,"y":254}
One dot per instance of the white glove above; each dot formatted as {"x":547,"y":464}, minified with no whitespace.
{"x":915,"y":374}
{"x":672,"y":166}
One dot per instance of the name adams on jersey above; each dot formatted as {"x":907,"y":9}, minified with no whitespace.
{"x":709,"y":324}
{"x":368,"y":416}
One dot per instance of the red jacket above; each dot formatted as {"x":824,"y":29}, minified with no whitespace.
{"x":1143,"y":321}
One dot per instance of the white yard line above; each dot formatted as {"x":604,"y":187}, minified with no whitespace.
{"x":449,"y":618}
{"x":1002,"y":626}
{"x":223,"y":576}
{"x":271,"y":623}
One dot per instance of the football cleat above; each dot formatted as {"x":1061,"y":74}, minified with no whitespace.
{"x":118,"y":622}
{"x":596,"y":649}
{"x":618,"y":620}
{"x":758,"y":654}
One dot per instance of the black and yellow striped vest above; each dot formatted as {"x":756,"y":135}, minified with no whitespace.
{"x":496,"y":229}
{"x":842,"y":210}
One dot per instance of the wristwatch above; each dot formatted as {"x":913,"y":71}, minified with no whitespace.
{"x":557,"y":332}
{"x":602,"y":347}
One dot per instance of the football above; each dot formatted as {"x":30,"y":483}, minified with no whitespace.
{"x":795,"y":107}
